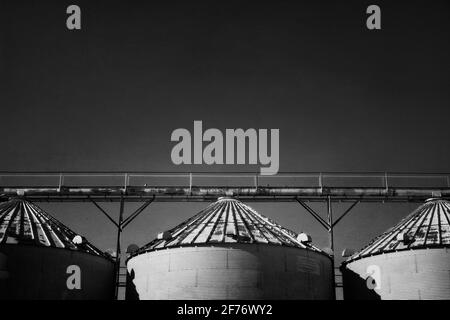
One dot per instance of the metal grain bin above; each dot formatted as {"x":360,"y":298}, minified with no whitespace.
{"x":40,"y":258}
{"x":229,"y":251}
{"x":409,"y":261}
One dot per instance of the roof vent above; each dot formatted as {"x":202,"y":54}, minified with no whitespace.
{"x":304,"y":238}
{"x":348,"y":252}
{"x":436,"y":194}
{"x":403,"y":237}
{"x":132,"y":248}
{"x":224,"y":198}
{"x":166,"y":235}
{"x":229,"y":193}
{"x":111,"y":253}
{"x":77,"y":239}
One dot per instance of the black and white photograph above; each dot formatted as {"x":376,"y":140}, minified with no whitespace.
{"x":224,"y":159}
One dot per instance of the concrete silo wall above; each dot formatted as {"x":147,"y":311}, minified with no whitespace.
{"x":412,"y":274}
{"x":33,"y":272}
{"x":238,"y":271}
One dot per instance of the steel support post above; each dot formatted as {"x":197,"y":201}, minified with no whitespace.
{"x":331,"y":241}
{"x":330,"y":223}
{"x":121,"y":224}
{"x":118,"y":250}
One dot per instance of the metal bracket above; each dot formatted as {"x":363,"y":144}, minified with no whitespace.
{"x":105,"y":213}
{"x":345,"y":213}
{"x":321,"y":220}
{"x":137,"y":212}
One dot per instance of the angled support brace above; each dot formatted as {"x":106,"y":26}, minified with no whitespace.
{"x":322,"y":221}
{"x":104,"y":212}
{"x":345,"y":213}
{"x":137,"y":213}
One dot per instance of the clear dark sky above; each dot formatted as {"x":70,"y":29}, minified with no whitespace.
{"x":108,"y":97}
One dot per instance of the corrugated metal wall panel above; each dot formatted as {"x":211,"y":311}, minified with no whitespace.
{"x":238,"y":271}
{"x":412,"y":274}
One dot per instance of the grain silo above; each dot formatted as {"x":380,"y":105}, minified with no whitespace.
{"x":40,"y":258}
{"x":229,"y":251}
{"x":409,"y":261}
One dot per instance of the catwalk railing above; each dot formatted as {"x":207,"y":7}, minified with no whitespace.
{"x":138,"y":186}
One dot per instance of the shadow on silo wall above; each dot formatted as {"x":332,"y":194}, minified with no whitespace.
{"x":131,"y":292}
{"x":355,"y":287}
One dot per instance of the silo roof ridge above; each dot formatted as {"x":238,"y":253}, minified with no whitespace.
{"x":428,"y":226}
{"x":227,"y":221}
{"x":24,"y":223}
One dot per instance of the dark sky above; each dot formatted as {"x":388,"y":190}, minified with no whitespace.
{"x":108,"y":97}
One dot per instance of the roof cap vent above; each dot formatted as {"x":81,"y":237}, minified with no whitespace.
{"x":304,"y":238}
{"x":166,"y":235}
{"x":226,"y":198}
{"x":347,"y":252}
{"x":77,"y":239}
{"x":132,"y":248}
{"x":403,"y":237}
{"x":111,"y":253}
{"x":436,"y":194}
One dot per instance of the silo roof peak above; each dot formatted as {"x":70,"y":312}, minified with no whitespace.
{"x":426,"y":227}
{"x":227,"y":221}
{"x":24,"y":223}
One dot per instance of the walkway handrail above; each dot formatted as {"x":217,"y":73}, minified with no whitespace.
{"x":180,"y":179}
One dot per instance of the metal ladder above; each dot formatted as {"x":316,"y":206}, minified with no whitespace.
{"x":121,"y":283}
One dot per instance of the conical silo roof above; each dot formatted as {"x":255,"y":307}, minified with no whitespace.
{"x":22,"y":222}
{"x":226,"y":221}
{"x":427,"y":227}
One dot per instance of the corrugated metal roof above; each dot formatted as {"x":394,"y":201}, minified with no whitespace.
{"x":427,"y":227}
{"x":226,"y":221}
{"x":22,"y":222}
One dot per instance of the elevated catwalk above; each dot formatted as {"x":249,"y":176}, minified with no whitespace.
{"x":139,"y":186}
